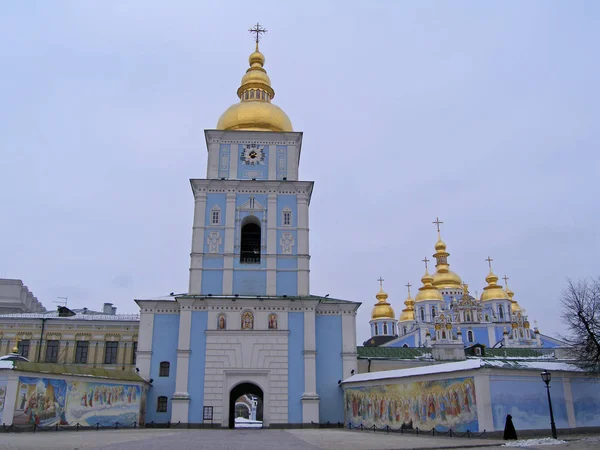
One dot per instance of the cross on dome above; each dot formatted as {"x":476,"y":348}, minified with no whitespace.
{"x":437,"y":222}
{"x":381,"y":280}
{"x":489,"y":261}
{"x":425,"y":261}
{"x":505,"y":278}
{"x":257,"y":30}
{"x":408,"y":285}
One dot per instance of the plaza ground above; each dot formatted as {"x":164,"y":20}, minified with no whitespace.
{"x":247,"y":439}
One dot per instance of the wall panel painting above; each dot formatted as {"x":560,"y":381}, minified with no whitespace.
{"x":3,"y":383}
{"x":525,"y":399}
{"x":48,"y":402}
{"x":586,"y":398}
{"x":443,"y":404}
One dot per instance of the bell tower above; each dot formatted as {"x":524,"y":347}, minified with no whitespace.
{"x":251,"y":231}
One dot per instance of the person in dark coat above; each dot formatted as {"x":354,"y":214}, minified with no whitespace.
{"x":509,"y":428}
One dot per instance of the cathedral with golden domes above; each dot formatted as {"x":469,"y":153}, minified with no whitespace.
{"x":444,"y":312}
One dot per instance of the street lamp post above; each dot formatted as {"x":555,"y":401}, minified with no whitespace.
{"x":546,"y":376}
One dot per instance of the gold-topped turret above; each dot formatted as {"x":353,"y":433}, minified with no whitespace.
{"x":408,"y":313}
{"x":443,"y":278}
{"x":382,"y":309}
{"x":428,"y":291}
{"x":255,"y":110}
{"x":493,"y":291}
{"x":514,"y":305}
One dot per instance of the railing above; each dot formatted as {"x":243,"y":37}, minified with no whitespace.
{"x":402,"y":430}
{"x":78,"y":427}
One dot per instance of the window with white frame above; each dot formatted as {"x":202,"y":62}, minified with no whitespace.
{"x":470,"y":336}
{"x":215,"y":216}
{"x":287,"y":217}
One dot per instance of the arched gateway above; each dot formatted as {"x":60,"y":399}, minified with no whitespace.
{"x":248,"y":389}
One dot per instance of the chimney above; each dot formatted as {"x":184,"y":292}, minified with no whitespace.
{"x":107,"y":308}
{"x":85,"y":310}
{"x":114,"y":310}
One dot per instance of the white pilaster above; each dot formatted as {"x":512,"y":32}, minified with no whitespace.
{"x":144,"y":350}
{"x":228,"y":247}
{"x":310,"y":398}
{"x":569,"y":401}
{"x":181,"y":397}
{"x":272,"y":235}
{"x":349,"y":355}
{"x":484,"y":402}
{"x":195,"y":285}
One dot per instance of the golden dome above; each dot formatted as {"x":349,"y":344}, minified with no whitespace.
{"x":255,"y":110}
{"x":514,"y":305}
{"x":428,"y":291}
{"x":493,"y":291}
{"x":408,"y":313}
{"x":382,"y":309}
{"x":444,"y":278}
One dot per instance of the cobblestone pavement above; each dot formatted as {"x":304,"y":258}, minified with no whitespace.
{"x":308,"y":439}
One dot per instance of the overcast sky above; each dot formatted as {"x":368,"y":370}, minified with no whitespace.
{"x":482,"y":113}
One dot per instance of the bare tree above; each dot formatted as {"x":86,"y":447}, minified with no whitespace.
{"x":581,"y":314}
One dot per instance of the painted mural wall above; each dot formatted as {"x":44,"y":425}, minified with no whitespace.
{"x":3,"y":383}
{"x":586,"y":398}
{"x":526,"y":400}
{"x":443,"y":404}
{"x":48,"y":402}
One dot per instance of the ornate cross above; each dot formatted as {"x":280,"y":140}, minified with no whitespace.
{"x":381,"y":280}
{"x":425,"y":261}
{"x":437,"y":223}
{"x":408,"y":285}
{"x":505,"y":278}
{"x":258,"y":30}
{"x":489,"y":260}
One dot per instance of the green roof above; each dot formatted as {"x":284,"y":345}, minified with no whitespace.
{"x":390,"y":352}
{"x":76,"y":370}
{"x":517,"y":352}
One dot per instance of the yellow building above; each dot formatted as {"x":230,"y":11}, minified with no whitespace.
{"x":79,"y":336}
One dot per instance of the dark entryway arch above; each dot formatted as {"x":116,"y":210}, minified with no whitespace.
{"x":237,"y":392}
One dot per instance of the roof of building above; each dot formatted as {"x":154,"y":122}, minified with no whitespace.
{"x":79,"y":315}
{"x":71,"y":369}
{"x":505,"y":352}
{"x":469,"y":364}
{"x":321,"y":299}
{"x":392,"y":352}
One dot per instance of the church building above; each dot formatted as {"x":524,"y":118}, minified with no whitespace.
{"x":248,"y":324}
{"x":444,"y":313}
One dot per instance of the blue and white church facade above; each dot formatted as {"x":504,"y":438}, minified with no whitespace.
{"x":444,"y":313}
{"x":248,"y":324}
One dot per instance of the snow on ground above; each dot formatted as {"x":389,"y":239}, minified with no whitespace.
{"x":532,"y":442}
{"x":241,"y":422}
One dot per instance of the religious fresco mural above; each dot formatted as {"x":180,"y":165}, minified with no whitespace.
{"x":443,"y":404}
{"x":272,"y":321}
{"x":3,"y":383}
{"x":48,"y":402}
{"x":526,"y":400}
{"x":586,"y":398}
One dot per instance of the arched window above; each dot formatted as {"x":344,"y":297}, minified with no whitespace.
{"x":251,"y":94}
{"x":443,"y":334}
{"x":501,"y":311}
{"x":487,"y":318}
{"x":250,"y":242}
{"x":422,"y":314}
{"x":215,"y":215}
{"x":470,"y":336}
{"x":286,"y":219}
{"x":385,"y":328}
{"x":161,"y":404}
{"x":432,"y":312}
{"x":404,"y":330}
{"x":164,"y":370}
{"x":468,"y":317}
{"x":376,"y":330}
{"x":405,"y":346}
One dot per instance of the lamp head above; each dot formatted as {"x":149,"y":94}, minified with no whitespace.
{"x":546,"y":376}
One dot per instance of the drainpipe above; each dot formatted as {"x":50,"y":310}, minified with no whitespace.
{"x":39,"y":350}
{"x":369,"y":366}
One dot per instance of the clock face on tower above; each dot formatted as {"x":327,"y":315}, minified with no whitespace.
{"x":253,"y":154}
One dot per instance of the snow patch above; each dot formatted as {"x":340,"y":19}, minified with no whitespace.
{"x":532,"y":442}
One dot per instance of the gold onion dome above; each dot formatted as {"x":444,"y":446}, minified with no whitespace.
{"x":514,"y":305}
{"x":493,"y":291}
{"x":382,"y":309}
{"x":408,"y":313}
{"x":255,"y":110}
{"x":444,"y":278}
{"x":428,"y":291}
